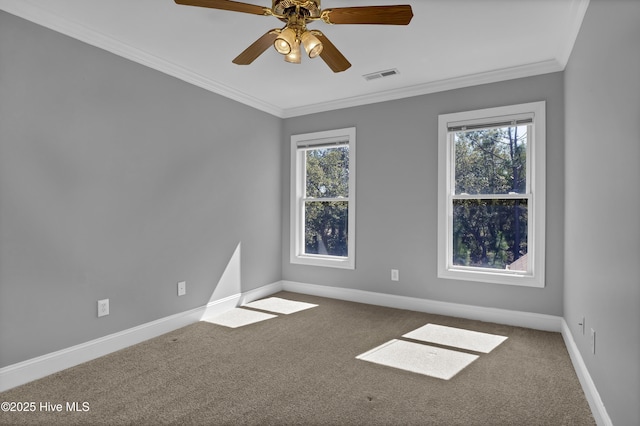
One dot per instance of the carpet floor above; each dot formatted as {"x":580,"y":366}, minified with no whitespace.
{"x":301,"y":369}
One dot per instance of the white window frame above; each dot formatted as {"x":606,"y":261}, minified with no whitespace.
{"x":535,"y":194}
{"x":298,"y":186}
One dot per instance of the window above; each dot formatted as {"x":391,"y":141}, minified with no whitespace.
{"x":491,"y":195}
{"x":322,"y":198}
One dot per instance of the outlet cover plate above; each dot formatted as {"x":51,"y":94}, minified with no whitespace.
{"x":103,"y":307}
{"x":182,"y":288}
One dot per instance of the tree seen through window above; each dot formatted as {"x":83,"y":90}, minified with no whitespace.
{"x":489,"y":220}
{"x":326,"y":213}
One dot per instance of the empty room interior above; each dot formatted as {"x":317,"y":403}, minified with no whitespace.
{"x":457,"y":189}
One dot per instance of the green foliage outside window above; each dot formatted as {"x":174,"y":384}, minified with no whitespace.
{"x":490,"y":232}
{"x":326,"y":219}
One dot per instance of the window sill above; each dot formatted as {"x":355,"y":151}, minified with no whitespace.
{"x":491,"y":277}
{"x":325,"y":261}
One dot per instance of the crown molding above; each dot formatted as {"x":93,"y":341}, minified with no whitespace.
{"x":27,"y":10}
{"x":494,"y":76}
{"x":48,"y":19}
{"x":578,"y":10}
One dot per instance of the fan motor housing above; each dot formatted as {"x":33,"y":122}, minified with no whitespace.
{"x":308,"y":8}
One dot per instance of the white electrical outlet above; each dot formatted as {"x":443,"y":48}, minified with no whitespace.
{"x":103,"y":307}
{"x":593,"y":341}
{"x":395,"y":275}
{"x":182,"y":288}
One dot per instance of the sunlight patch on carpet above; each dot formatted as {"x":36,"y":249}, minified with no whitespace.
{"x":418,"y":358}
{"x":456,"y":337}
{"x":238,"y":317}
{"x":280,"y":306}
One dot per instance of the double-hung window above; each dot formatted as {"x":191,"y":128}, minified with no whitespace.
{"x":491,"y":195}
{"x":323,"y":198}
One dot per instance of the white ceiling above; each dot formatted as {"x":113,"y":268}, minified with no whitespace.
{"x":448,"y":44}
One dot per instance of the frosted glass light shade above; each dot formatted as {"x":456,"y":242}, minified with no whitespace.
{"x":312,"y":45}
{"x":294,"y":56}
{"x":285,"y":41}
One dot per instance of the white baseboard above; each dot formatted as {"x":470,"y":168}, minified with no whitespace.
{"x":598,"y":409}
{"x":259,"y":293}
{"x":500,"y":316}
{"x":26,"y":371}
{"x":36,"y":368}
{"x":217,"y":307}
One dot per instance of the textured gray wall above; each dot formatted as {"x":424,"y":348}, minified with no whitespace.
{"x":117,"y":181}
{"x":602,"y":233}
{"x":397,"y":187}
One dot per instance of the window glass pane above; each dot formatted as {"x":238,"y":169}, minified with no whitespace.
{"x":490,"y":233}
{"x":326,"y":226}
{"x":491,"y":161}
{"x":327,"y":172}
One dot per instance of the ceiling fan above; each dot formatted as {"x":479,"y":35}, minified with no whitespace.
{"x":297,"y":14}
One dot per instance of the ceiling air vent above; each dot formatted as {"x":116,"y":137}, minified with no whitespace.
{"x":380,"y":74}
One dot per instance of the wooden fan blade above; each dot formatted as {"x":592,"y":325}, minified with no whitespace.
{"x":383,"y":15}
{"x":256,"y":49}
{"x":331,"y":55}
{"x":227,"y":5}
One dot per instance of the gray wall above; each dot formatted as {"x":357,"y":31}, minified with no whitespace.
{"x":397,"y":187}
{"x":602,"y":233}
{"x":117,"y":181}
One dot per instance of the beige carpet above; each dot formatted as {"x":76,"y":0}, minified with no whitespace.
{"x":302,"y":369}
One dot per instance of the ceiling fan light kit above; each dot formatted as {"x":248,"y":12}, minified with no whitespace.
{"x":285,"y":41}
{"x":312,"y":45}
{"x":297,"y":14}
{"x":294,"y":56}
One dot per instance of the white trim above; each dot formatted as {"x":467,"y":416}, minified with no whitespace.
{"x":578,"y":10}
{"x":260,"y":292}
{"x":479,"y":313}
{"x":48,"y":19}
{"x":511,"y":73}
{"x":299,"y":144}
{"x":217,"y":307}
{"x":36,"y":368}
{"x":501,"y":316}
{"x":598,"y":409}
{"x":536,"y":189}
{"x":26,"y":371}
